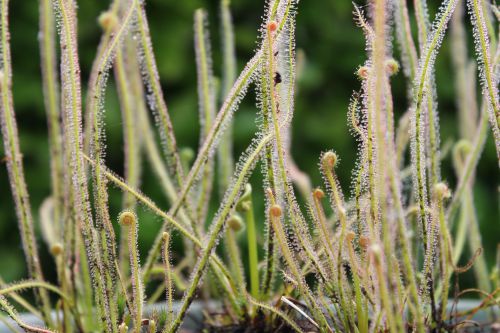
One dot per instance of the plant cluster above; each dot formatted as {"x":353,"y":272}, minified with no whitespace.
{"x":381,"y":260}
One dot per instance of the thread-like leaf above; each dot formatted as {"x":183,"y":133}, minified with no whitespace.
{"x":14,"y":162}
{"x":129,"y":220}
{"x":131,"y":98}
{"x":72,"y":121}
{"x":206,"y":101}
{"x":155,"y":97}
{"x":9,"y":309}
{"x":487,"y":73}
{"x":464,"y":69}
{"x":243,"y":170}
{"x":19,"y":286}
{"x":405,"y":39}
{"x":168,"y":279}
{"x":170,"y":221}
{"x":431,"y":124}
{"x":225,"y":152}
{"x":224,"y":115}
{"x":421,"y":90}
{"x":275,"y":214}
{"x":97,"y":89}
{"x":22,"y":301}
{"x":52,"y":106}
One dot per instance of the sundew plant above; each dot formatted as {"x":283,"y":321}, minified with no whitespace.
{"x":383,"y":259}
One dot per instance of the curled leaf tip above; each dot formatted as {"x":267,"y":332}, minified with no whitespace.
{"x":350,"y":236}
{"x":318,"y":194}
{"x":329,"y":159}
{"x":235,"y":223}
{"x":123,"y":328}
{"x":127,"y":218}
{"x":56,"y":249}
{"x":376,"y":251}
{"x":272,"y":26}
{"x":107,"y":20}
{"x":391,"y":66}
{"x":275,"y":210}
{"x":364,"y":242}
{"x":363,"y":72}
{"x":441,"y":191}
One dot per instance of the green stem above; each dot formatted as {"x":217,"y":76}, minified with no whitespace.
{"x":246,"y":207}
{"x":445,"y":244}
{"x":469,"y":224}
{"x":469,"y":166}
{"x":234,"y":225}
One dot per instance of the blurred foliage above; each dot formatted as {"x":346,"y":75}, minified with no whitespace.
{"x":333,"y":47}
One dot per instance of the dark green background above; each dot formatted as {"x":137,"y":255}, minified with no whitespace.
{"x":334,"y":48}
